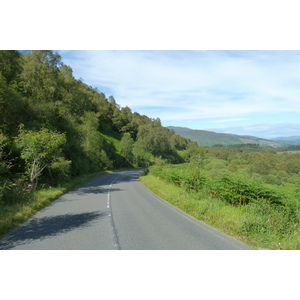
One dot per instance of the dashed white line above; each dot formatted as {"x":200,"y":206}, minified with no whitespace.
{"x":108,"y":194}
{"x":108,"y":200}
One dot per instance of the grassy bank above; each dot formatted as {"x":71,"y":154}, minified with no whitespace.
{"x":21,"y":204}
{"x":253,"y":224}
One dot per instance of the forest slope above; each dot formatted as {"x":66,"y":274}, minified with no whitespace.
{"x":54,"y":127}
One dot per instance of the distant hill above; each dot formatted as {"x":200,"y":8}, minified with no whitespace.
{"x":210,"y":138}
{"x":294,"y":140}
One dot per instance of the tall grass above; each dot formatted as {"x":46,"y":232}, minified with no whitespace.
{"x":260,"y":222}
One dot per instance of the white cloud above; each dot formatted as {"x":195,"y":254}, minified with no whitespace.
{"x":263,"y":130}
{"x":228,"y":120}
{"x":177,"y":85}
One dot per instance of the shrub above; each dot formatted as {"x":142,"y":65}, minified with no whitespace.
{"x":241,"y":191}
{"x":272,"y":179}
{"x":60,"y":170}
{"x":39,"y":149}
{"x":216,"y":164}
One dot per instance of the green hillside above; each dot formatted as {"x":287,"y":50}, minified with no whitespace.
{"x":210,"y":138}
{"x":54,"y":127}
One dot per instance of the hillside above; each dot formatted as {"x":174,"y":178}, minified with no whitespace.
{"x":295,"y":140}
{"x":54,"y":127}
{"x":210,"y":138}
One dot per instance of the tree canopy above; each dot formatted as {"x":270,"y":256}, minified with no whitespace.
{"x":66,"y":124}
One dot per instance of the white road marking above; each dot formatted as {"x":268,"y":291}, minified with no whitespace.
{"x":108,"y":200}
{"x":108,"y":194}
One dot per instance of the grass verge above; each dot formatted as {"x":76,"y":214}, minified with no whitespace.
{"x":249,"y":224}
{"x":22,"y":205}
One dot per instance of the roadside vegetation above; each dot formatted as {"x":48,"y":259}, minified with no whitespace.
{"x":55,"y":130}
{"x":253,"y":196}
{"x":22,"y":203}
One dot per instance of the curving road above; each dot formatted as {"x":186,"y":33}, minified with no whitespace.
{"x":115,"y":211}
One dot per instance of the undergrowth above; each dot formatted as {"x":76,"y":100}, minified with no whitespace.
{"x":20,"y":204}
{"x":255,"y":213}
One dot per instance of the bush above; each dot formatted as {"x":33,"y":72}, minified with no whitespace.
{"x":5,"y":187}
{"x":216,"y":164}
{"x":241,"y":191}
{"x":272,"y":179}
{"x":60,"y":170}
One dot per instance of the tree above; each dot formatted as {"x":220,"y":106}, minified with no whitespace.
{"x":10,"y":65}
{"x":12,"y":107}
{"x":126,"y":147}
{"x":5,"y":165}
{"x":39,"y":149}
{"x":196,"y":153}
{"x":157,"y":139}
{"x":263,"y":162}
{"x":142,"y":157}
{"x":93,"y":144}
{"x":39,"y":77}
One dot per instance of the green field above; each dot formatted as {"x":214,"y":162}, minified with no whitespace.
{"x":255,"y":202}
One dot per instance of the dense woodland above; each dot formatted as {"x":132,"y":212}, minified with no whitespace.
{"x":54,"y":127}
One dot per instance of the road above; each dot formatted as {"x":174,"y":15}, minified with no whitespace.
{"x":115,"y":212}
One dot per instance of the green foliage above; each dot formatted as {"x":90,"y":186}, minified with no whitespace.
{"x":23,"y":203}
{"x":159,"y":161}
{"x":241,"y":191}
{"x":12,"y":107}
{"x":38,"y":90}
{"x":39,"y":77}
{"x":60,"y":170}
{"x":263,"y":163}
{"x":91,"y":140}
{"x":141,"y":156}
{"x":187,"y":176}
{"x":10,"y":64}
{"x":216,"y":164}
{"x":126,"y":147}
{"x":262,"y":214}
{"x":156,"y":139}
{"x":5,"y":166}
{"x":269,"y":220}
{"x":195,"y":152}
{"x":39,"y":150}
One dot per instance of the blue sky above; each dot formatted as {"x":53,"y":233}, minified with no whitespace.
{"x":241,"y":92}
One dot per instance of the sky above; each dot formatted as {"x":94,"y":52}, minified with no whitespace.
{"x":241,"y":92}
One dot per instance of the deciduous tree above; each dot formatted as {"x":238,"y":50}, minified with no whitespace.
{"x":39,"y":149}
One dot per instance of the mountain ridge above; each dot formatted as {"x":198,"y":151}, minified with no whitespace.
{"x":294,"y":140}
{"x":210,"y":138}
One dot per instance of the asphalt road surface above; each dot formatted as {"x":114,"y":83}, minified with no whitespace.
{"x":112,"y":212}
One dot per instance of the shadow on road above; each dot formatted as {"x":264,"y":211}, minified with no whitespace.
{"x":102,"y":184}
{"x":93,"y":190}
{"x":38,"y":229}
{"x":128,"y":177}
